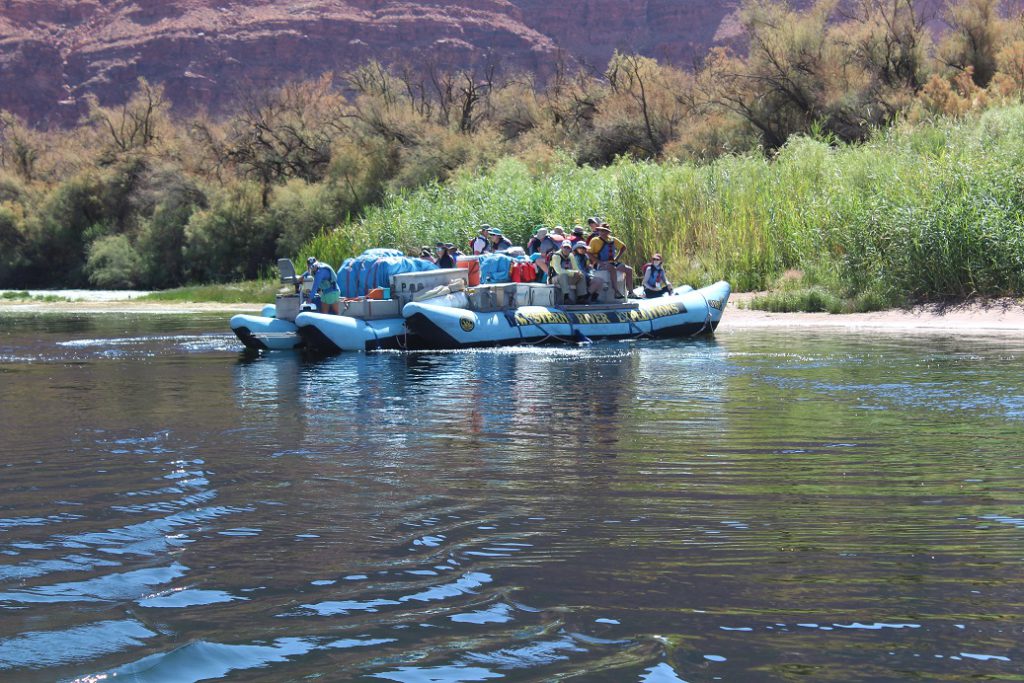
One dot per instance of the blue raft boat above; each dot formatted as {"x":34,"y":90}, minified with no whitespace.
{"x":686,"y":313}
{"x":266,"y":332}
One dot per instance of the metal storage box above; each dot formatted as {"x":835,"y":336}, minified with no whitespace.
{"x":405,"y":285}
{"x":542,"y":295}
{"x":492,"y":297}
{"x":372,"y":309}
{"x":287,"y":306}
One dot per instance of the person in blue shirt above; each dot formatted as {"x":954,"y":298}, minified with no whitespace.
{"x":325,"y":291}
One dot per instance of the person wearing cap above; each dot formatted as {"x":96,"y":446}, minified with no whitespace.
{"x":606,"y":253}
{"x":592,"y":224}
{"x":571,"y":282}
{"x":326,"y":292}
{"x":426,"y":254}
{"x":308,"y":273}
{"x":533,"y":245}
{"x":498,"y":241}
{"x":478,"y":244}
{"x":655,"y":281}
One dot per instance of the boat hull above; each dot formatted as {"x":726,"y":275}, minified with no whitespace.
{"x":326,"y":333}
{"x":686,"y":314}
{"x":266,"y":333}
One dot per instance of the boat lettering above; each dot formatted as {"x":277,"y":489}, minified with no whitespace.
{"x":715,"y":304}
{"x":607,"y":317}
{"x":542,"y":318}
{"x":652,"y":312}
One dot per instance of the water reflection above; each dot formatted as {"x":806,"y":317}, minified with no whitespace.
{"x":750,"y":508}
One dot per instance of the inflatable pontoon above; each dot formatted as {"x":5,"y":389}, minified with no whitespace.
{"x":686,"y":313}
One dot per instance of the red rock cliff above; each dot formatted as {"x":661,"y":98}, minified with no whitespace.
{"x":54,"y":52}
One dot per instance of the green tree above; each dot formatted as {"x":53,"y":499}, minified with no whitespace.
{"x":113,"y":263}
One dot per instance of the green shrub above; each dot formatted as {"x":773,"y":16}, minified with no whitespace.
{"x":58,"y":231}
{"x":165,"y":204}
{"x":113,"y":263}
{"x":12,"y":241}
{"x":228,"y":241}
{"x":298,"y":211}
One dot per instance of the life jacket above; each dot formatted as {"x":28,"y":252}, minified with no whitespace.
{"x":607,"y":252}
{"x":523,"y":271}
{"x":659,"y":276}
{"x":502,"y":245}
{"x":562,"y":261}
{"x":582,"y":262}
{"x":330,"y":283}
{"x":476,"y":250}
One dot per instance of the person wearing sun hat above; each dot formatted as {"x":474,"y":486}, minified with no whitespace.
{"x":655,"y":281}
{"x":571,"y":282}
{"x":498,"y":241}
{"x":533,"y":245}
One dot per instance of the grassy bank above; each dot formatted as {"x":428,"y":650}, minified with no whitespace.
{"x":27,"y":296}
{"x":250,"y":291}
{"x":928,"y":212}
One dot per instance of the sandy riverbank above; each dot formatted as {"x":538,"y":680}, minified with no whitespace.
{"x":1004,"y":316}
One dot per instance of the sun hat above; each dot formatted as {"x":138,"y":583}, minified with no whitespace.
{"x":579,"y":244}
{"x":593,"y":221}
{"x":495,"y":231}
{"x":565,"y":243}
{"x":578,"y":230}
{"x":656,"y":257}
{"x":542,"y":231}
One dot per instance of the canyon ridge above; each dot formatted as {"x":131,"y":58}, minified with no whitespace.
{"x":54,"y":53}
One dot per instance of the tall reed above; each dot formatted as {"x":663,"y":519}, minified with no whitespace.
{"x":919,"y":212}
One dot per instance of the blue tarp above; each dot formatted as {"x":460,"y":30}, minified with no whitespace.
{"x":374,"y":268}
{"x":494,"y":268}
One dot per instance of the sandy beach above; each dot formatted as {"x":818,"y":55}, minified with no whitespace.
{"x":1002,"y":316}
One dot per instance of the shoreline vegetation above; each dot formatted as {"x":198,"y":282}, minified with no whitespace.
{"x":847,"y":162}
{"x":1001,"y":318}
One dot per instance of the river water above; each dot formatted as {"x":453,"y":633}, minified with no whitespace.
{"x":757,"y":507}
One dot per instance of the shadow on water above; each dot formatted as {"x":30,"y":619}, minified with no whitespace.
{"x":753,"y":507}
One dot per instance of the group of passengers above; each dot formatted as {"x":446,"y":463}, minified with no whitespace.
{"x":569,"y":261}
